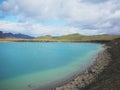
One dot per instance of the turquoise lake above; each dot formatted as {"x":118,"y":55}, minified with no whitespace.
{"x":29,"y":65}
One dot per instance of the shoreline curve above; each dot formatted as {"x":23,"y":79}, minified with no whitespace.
{"x":89,"y":75}
{"x":102,"y":75}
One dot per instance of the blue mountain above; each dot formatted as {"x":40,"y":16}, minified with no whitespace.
{"x":11,"y":35}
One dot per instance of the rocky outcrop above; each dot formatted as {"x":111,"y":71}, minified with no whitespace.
{"x":104,"y":74}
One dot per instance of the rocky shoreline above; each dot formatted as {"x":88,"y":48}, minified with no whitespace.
{"x":93,"y":78}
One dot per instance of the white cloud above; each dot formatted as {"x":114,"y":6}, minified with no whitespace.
{"x":101,"y":16}
{"x":36,"y":29}
{"x":10,"y":26}
{"x":72,"y":10}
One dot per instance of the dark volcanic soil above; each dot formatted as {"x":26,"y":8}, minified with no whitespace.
{"x":109,"y":79}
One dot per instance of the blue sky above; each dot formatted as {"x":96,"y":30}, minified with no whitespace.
{"x":60,"y":17}
{"x":54,"y":23}
{"x":10,"y":18}
{"x":1,"y":1}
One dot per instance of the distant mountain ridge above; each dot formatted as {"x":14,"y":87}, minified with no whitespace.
{"x":11,"y":35}
{"x":76,"y":37}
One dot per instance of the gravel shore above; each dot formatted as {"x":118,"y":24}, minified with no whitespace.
{"x":104,"y":74}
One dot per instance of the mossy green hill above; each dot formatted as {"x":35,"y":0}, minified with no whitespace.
{"x":67,"y":38}
{"x":78,"y":37}
{"x":44,"y":37}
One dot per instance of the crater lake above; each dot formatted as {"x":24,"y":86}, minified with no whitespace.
{"x":30,"y":65}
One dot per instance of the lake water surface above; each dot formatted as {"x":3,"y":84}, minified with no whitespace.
{"x":27,"y":66}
